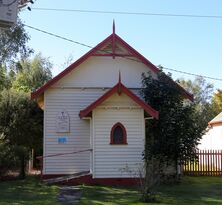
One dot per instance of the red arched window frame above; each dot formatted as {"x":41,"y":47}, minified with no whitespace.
{"x":124,"y":141}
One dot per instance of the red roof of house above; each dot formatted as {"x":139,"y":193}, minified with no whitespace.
{"x":114,"y":39}
{"x":119,"y":88}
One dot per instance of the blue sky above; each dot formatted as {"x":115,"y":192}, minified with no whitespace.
{"x":188,"y":44}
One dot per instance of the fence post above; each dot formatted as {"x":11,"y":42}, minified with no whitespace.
{"x":40,"y":158}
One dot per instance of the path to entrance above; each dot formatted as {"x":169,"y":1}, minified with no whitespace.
{"x":69,"y":194}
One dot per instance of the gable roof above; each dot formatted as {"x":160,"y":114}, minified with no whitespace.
{"x":100,"y":50}
{"x":114,"y":39}
{"x":217,"y":120}
{"x":119,"y":88}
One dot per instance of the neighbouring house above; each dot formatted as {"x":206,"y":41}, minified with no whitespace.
{"x":94,"y":115}
{"x":212,"y":139}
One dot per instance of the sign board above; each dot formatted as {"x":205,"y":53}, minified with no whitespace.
{"x":62,"y":140}
{"x":8,"y":13}
{"x":62,"y":122}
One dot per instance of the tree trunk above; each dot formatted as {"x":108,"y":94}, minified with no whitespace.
{"x":22,"y":167}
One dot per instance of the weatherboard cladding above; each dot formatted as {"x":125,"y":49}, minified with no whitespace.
{"x":118,"y":161}
{"x":76,"y":91}
{"x":72,"y":100}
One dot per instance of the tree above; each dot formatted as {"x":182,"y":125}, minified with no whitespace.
{"x":21,"y":124}
{"x":172,"y":139}
{"x":8,"y":160}
{"x":13,"y":43}
{"x":217,"y":102}
{"x":3,"y":77}
{"x":32,"y":73}
{"x":13,"y":46}
{"x":21,"y":121}
{"x":202,"y":92}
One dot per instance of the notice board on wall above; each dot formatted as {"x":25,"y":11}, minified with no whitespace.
{"x":62,"y":122}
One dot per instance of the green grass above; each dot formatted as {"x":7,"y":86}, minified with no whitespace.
{"x":27,"y":192}
{"x":192,"y":190}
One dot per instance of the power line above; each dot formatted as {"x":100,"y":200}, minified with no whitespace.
{"x":58,"y":36}
{"x":192,"y":74}
{"x":130,"y":13}
{"x":88,"y":46}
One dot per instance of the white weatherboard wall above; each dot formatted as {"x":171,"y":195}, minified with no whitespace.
{"x":212,"y":139}
{"x":104,"y":72}
{"x":71,"y":100}
{"x":76,"y":91}
{"x":109,"y":161}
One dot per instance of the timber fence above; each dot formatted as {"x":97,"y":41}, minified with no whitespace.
{"x":207,"y":163}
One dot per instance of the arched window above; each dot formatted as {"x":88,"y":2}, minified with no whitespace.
{"x":118,"y":134}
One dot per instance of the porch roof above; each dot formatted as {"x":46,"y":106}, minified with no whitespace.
{"x":119,"y":88}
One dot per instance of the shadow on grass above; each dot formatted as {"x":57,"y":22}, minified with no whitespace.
{"x":192,"y":191}
{"x":97,"y":195}
{"x":28,"y":191}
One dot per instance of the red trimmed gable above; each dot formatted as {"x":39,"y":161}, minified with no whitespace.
{"x":114,"y":42}
{"x":119,"y":88}
{"x":68,"y":69}
{"x":94,"y":52}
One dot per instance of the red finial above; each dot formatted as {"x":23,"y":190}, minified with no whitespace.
{"x":113,"y":26}
{"x":113,"y":40}
{"x":119,"y":76}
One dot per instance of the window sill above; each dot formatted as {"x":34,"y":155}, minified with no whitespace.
{"x":118,"y":144}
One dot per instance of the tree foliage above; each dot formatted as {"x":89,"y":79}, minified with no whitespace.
{"x":32,"y":73}
{"x":217,"y":101}
{"x":175,"y":135}
{"x":202,"y":92}
{"x":13,"y":43}
{"x":4,"y":78}
{"x":173,"y":138}
{"x":21,"y":124}
{"x":21,"y":121}
{"x":8,"y":159}
{"x":26,"y":75}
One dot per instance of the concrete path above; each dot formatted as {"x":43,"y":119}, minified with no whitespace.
{"x":69,"y":194}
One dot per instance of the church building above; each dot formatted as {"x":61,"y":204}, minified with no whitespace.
{"x":94,"y":116}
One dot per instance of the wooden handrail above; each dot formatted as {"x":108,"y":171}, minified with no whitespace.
{"x":40,"y":158}
{"x":61,"y":154}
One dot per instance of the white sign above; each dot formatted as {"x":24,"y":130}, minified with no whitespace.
{"x":8,"y":12}
{"x":62,"y":122}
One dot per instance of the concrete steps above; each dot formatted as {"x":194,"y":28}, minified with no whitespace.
{"x":66,"y":178}
{"x":69,"y":194}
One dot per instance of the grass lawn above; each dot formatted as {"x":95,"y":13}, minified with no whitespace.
{"x":27,"y":192}
{"x":192,"y":190}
